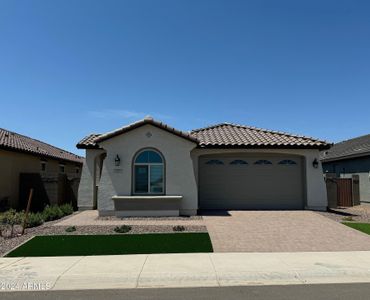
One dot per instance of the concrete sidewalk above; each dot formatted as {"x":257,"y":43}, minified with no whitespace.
{"x":183,"y":270}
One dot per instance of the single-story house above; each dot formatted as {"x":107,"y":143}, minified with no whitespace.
{"x":350,"y":157}
{"x":28,"y":163}
{"x":151,"y":169}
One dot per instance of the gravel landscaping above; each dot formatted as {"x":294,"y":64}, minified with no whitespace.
{"x":360,"y":213}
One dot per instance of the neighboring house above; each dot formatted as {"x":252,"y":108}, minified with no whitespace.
{"x":350,"y":157}
{"x":150,"y":169}
{"x":26,"y":163}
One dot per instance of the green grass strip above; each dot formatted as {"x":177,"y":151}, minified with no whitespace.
{"x":69,"y":245}
{"x":364,"y":227}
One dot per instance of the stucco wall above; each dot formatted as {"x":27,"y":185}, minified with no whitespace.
{"x":87,"y":185}
{"x":179,"y":171}
{"x":14,"y":163}
{"x":315,"y":190}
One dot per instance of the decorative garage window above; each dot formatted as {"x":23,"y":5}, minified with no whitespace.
{"x":287,"y":162}
{"x":214,"y":162}
{"x":238,"y":162}
{"x":263,"y":162}
{"x":148,"y":172}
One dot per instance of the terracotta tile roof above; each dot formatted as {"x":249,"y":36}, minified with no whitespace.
{"x":147,"y":120}
{"x":221,"y":136}
{"x":88,"y":142}
{"x":16,"y":142}
{"x":356,"y":147}
{"x":234,"y":135}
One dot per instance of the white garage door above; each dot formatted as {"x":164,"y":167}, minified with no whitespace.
{"x":250,"y":182}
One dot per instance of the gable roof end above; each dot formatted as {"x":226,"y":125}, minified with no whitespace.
{"x":145,"y":121}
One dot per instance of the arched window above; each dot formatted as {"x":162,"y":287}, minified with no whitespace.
{"x":263,"y":162}
{"x":148,"y":172}
{"x":238,"y":162}
{"x":287,"y":162}
{"x":214,"y":162}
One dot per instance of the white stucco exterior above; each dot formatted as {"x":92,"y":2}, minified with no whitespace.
{"x":181,"y":171}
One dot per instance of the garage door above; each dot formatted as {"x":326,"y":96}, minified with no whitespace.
{"x":250,"y":182}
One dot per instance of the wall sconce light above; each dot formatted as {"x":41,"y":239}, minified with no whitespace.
{"x":315,"y":163}
{"x":117,"y":161}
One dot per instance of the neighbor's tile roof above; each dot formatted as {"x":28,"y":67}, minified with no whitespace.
{"x":234,"y":135}
{"x":221,"y":135}
{"x":356,"y":147}
{"x":16,"y":142}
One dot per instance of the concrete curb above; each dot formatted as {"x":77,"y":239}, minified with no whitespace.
{"x":183,"y":270}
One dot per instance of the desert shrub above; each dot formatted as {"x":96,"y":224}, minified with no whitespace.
{"x":11,"y":218}
{"x":178,"y":228}
{"x":67,"y":209}
{"x":51,"y":213}
{"x":34,"y":219}
{"x":71,"y":229}
{"x":122,"y":229}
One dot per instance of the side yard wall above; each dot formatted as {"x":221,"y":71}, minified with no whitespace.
{"x":355,"y":166}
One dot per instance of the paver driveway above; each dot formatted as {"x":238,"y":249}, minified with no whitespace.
{"x":280,"y":231}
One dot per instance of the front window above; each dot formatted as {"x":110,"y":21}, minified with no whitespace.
{"x":148,"y":173}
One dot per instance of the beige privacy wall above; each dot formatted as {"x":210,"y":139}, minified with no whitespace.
{"x":179,"y":170}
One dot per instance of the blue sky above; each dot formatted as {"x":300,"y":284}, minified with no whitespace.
{"x":69,"y":68}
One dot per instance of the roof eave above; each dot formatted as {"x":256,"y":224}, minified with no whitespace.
{"x":357,"y":155}
{"x":83,"y":146}
{"x":318,"y":147}
{"x":7,"y":148}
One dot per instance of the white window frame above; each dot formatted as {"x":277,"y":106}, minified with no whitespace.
{"x":149,"y":165}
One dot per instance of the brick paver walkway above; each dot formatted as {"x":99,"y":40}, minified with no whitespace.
{"x":281,"y":231}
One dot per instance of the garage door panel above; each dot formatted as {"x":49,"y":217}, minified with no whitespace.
{"x":250,"y":186}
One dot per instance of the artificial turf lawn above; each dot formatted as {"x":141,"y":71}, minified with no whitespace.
{"x":68,"y":245}
{"x":364,"y":227}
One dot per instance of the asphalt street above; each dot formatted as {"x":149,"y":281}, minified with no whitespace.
{"x":287,"y":292}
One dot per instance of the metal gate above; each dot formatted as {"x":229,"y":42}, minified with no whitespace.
{"x":344,"y":192}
